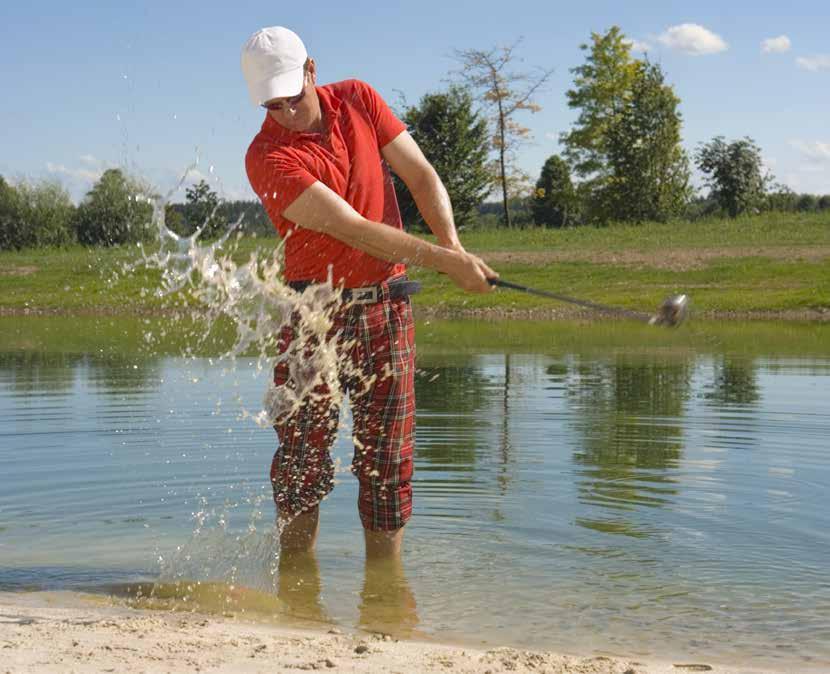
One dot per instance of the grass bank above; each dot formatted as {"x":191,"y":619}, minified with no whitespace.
{"x":772,"y":266}
{"x":125,"y":337}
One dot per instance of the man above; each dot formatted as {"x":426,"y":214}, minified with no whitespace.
{"x":317,"y":165}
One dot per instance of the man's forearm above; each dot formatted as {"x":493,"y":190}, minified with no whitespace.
{"x":435,"y":207}
{"x":393,"y":245}
{"x":320,"y":209}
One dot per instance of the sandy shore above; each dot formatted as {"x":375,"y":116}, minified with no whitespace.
{"x":60,"y":632}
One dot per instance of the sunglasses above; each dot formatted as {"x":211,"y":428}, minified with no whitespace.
{"x":290,"y":102}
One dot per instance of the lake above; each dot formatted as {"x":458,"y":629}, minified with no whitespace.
{"x":584,"y":487}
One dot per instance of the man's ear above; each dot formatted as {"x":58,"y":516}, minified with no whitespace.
{"x":312,"y":70}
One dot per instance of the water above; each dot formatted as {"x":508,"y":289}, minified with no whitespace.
{"x":590,"y":488}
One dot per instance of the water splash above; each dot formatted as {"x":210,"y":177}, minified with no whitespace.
{"x":207,"y":283}
{"x":212,"y":286}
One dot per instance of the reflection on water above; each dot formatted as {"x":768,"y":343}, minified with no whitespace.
{"x":618,"y":498}
{"x":387,"y":603}
{"x":629,"y":416}
{"x":38,"y":372}
{"x":299,"y":585}
{"x":735,"y":382}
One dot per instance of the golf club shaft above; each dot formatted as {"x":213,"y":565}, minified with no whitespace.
{"x":637,"y":315}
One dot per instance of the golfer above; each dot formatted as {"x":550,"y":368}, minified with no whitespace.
{"x":320,"y":165}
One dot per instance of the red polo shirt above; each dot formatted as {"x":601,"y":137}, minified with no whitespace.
{"x":281,"y":164}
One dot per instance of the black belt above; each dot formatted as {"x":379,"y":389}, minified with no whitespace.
{"x":396,"y":289}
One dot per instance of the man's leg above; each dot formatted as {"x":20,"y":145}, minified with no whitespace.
{"x":302,"y":472}
{"x":383,"y":544}
{"x":384,"y":421}
{"x":299,"y":532}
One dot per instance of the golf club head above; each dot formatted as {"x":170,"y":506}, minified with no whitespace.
{"x":672,"y":312}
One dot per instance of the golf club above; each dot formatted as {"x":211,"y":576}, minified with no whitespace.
{"x":671,"y":313}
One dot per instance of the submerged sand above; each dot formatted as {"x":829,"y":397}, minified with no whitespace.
{"x":62,"y":632}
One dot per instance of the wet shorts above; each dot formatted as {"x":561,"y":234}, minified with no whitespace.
{"x":376,"y":349}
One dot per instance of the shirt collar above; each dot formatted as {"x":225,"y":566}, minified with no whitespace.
{"x":330,"y":107}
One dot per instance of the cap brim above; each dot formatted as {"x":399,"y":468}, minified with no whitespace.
{"x":283,"y":85}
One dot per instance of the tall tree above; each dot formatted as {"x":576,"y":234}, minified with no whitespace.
{"x":503,"y":93}
{"x":554,"y":201}
{"x":454,"y":139}
{"x":601,"y":87}
{"x":734,"y":174}
{"x":116,"y":210}
{"x":648,"y":168}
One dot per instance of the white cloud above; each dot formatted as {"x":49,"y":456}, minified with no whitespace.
{"x":815,"y":151}
{"x":776,"y":45}
{"x":693,"y":39}
{"x":89,"y":159}
{"x":86,"y":175}
{"x":814,"y":63}
{"x":637,"y":46}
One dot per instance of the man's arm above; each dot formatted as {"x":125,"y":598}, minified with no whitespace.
{"x":406,"y":159}
{"x":321,"y":209}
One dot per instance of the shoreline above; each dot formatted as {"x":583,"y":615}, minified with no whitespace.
{"x":68,"y":631}
{"x":491,"y":314}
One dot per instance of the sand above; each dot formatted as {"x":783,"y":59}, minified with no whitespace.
{"x":62,"y":632}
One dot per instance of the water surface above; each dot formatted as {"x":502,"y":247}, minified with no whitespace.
{"x":579,"y":487}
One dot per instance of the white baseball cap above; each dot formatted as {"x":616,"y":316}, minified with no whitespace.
{"x":272,"y":62}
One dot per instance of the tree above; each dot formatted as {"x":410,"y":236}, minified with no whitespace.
{"x":781,"y":198}
{"x":453,"y":138}
{"x":201,"y":209}
{"x":554,"y":201}
{"x":10,"y":215}
{"x":648,"y":170}
{"x":48,"y":211}
{"x":116,"y":210}
{"x":34,"y":214}
{"x":503,"y":94}
{"x":824,"y":202}
{"x":807,"y":202}
{"x":601,"y":87}
{"x":734,"y":174}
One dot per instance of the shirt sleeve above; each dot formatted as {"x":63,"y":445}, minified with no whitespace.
{"x":277,"y":178}
{"x":387,"y":126}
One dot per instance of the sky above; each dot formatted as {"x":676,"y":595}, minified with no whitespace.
{"x":153,"y":87}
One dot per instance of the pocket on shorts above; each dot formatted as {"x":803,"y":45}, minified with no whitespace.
{"x":402,"y":347}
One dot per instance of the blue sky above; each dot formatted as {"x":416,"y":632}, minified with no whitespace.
{"x":150,"y":86}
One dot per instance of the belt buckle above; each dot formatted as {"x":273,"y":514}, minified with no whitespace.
{"x":365,"y":295}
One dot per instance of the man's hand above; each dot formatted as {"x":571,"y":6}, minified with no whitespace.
{"x":469,"y":272}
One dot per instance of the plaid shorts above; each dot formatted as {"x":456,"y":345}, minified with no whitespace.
{"x":377,"y":342}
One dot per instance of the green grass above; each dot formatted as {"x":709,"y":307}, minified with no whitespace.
{"x":125,"y":337}
{"x":769,"y":229}
{"x":83,"y":281}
